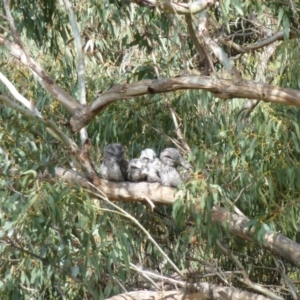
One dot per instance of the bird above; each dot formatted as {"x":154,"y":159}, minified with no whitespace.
{"x":136,"y":170}
{"x":152,"y":165}
{"x":148,"y":155}
{"x":114,"y":166}
{"x":173,"y":168}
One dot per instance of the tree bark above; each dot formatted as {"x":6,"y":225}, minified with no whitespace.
{"x":126,"y":191}
{"x":203,"y":291}
{"x":222,"y":88}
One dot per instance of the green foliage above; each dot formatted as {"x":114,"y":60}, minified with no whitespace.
{"x":57,"y":240}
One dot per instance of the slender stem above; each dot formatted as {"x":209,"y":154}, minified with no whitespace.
{"x":135,"y":221}
{"x":19,"y":97}
{"x":81,"y":63}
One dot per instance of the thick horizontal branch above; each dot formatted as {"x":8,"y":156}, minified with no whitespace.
{"x":222,"y":88}
{"x":276,"y":243}
{"x":205,"y":291}
{"x":225,"y":89}
{"x":180,"y":8}
{"x":122,"y":191}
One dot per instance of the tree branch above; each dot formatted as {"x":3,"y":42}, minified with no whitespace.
{"x":247,"y":281}
{"x":286,"y":279}
{"x":81,"y":65}
{"x":279,"y":36}
{"x":80,"y":157}
{"x":179,"y":8}
{"x":126,"y":191}
{"x":224,"y":89}
{"x":53,"y":129}
{"x":204,"y":291}
{"x":276,"y":243}
{"x":10,"y":19}
{"x":49,"y":84}
{"x":202,"y":53}
{"x":19,"y":97}
{"x":184,"y":145}
{"x":263,"y":60}
{"x":216,"y":49}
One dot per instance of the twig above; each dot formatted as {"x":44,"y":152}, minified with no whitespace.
{"x":19,"y":97}
{"x":42,"y":259}
{"x":232,"y":203}
{"x":181,"y":39}
{"x":155,"y":275}
{"x":4,"y":29}
{"x":135,"y":221}
{"x":152,"y":206}
{"x":13,"y":29}
{"x":240,"y":193}
{"x":10,"y":20}
{"x":140,"y":270}
{"x":247,"y":280}
{"x":235,"y":208}
{"x":216,"y":49}
{"x":58,"y":134}
{"x":120,"y":284}
{"x":287,"y":280}
{"x":264,"y":58}
{"x":200,"y":48}
{"x":159,"y":131}
{"x":45,"y":80}
{"x":15,"y":245}
{"x":51,"y":126}
{"x":176,"y":125}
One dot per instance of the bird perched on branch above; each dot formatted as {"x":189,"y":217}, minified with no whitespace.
{"x":174,"y":168}
{"x":114,"y":166}
{"x":136,"y":170}
{"x":152,"y":165}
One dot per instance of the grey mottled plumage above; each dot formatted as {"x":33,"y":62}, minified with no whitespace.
{"x":136,"y":170}
{"x":148,"y":155}
{"x":173,"y":167}
{"x":114,"y":166}
{"x":152,"y":165}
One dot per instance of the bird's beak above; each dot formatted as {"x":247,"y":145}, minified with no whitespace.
{"x":120,"y":158}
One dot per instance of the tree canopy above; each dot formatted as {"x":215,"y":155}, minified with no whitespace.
{"x":218,"y":80}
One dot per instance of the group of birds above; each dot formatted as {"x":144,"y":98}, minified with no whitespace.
{"x":169,"y":170}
